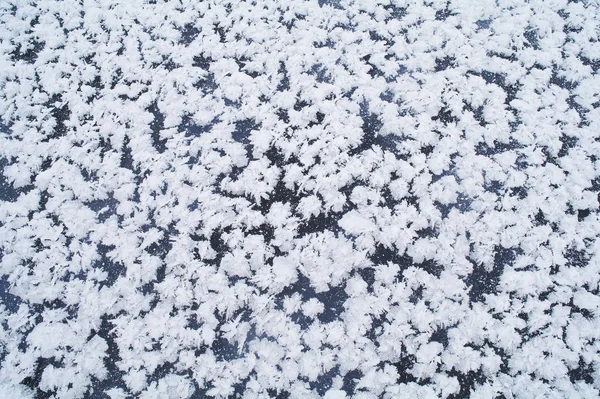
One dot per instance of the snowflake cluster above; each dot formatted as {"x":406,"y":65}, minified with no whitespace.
{"x":299,"y":199}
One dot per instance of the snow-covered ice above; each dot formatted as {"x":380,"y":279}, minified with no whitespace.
{"x":299,"y":199}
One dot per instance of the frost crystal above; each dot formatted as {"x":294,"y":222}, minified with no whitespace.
{"x":303,"y":199}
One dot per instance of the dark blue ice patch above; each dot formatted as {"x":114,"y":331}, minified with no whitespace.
{"x":576,"y":258}
{"x":562,"y":82}
{"x":531,"y":38}
{"x":11,"y":302}
{"x":404,"y":365}
{"x":284,"y":84}
{"x":584,"y":372}
{"x":126,"y":155}
{"x":482,"y":281}
{"x":374,"y":71}
{"x":206,"y":84}
{"x":7,"y":191}
{"x":191,"y":129}
{"x":441,"y":64}
{"x":593,"y":63}
{"x":324,"y":381}
{"x":371,"y":126}
{"x":384,"y":255}
{"x":332,"y":3}
{"x":442,"y":15}
{"x":351,"y":381}
{"x":60,"y":112}
{"x":320,"y":223}
{"x":320,"y":72}
{"x":243,"y":129}
{"x":114,"y":270}
{"x":104,"y":208}
{"x":35,"y":378}
{"x":224,"y":350}
{"x":114,"y":375}
{"x":483,"y":23}
{"x":387,"y":96}
{"x":4,"y":128}
{"x":333,"y":300}
{"x":156,"y":126}
{"x":487,"y":150}
{"x":29,"y":55}
{"x":189,"y":33}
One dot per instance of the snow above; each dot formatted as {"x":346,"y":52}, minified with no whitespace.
{"x":306,"y":199}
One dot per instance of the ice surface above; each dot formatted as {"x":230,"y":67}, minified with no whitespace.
{"x":299,"y":199}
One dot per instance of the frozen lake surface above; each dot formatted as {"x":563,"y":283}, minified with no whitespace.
{"x":299,"y":199}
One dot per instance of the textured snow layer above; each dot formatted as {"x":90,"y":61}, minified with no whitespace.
{"x":370,"y":199}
